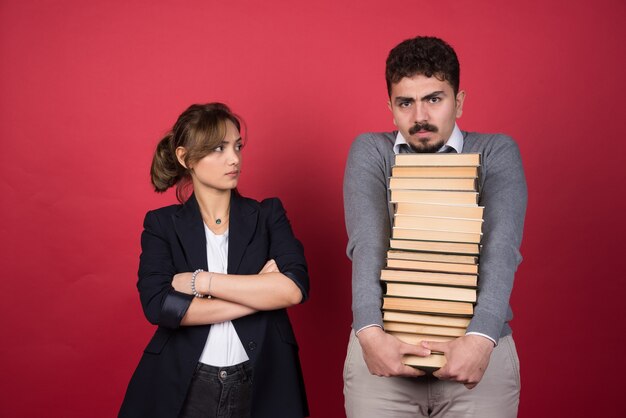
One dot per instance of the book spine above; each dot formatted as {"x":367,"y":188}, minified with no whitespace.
{"x":428,"y":306}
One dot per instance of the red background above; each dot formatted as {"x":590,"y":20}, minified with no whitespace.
{"x":88,"y":88}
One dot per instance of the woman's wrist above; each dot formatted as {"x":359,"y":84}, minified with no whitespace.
{"x":196,"y":289}
{"x":203,"y":283}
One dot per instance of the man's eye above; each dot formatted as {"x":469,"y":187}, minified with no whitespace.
{"x":434,"y":100}
{"x":405,"y":104}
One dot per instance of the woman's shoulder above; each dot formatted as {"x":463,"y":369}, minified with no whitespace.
{"x":162,"y":215}
{"x":264,"y":204}
{"x":166,"y":210}
{"x":268,"y":207}
{"x":271,"y":202}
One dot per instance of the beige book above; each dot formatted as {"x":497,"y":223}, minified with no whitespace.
{"x":438,"y":159}
{"x":437,"y":257}
{"x":439,"y":210}
{"x":435,"y":196}
{"x":423,"y":329}
{"x":435,"y":171}
{"x":433,"y":246}
{"x":427,"y":235}
{"x":445,"y":279}
{"x":416,"y":339}
{"x":443,"y":307}
{"x":410,"y":290}
{"x":431,"y":266}
{"x":434,"y":361}
{"x":438,"y":224}
{"x":408,"y":183}
{"x":436,"y":320}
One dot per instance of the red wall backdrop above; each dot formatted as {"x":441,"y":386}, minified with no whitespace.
{"x":87,"y":89}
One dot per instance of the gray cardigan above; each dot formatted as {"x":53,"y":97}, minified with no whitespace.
{"x":369,"y":220}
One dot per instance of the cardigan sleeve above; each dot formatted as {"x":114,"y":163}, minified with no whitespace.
{"x":162,"y":305}
{"x":285,"y":248}
{"x":368,"y":227}
{"x":504,"y":195}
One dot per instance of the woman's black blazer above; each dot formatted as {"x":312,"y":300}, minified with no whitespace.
{"x":174,"y":241}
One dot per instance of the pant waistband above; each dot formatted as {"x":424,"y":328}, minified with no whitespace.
{"x":241,"y":371}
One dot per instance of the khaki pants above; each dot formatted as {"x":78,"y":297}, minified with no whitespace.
{"x":369,"y":396}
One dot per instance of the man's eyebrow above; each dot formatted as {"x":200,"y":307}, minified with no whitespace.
{"x":433,"y":94}
{"x":402,"y":99}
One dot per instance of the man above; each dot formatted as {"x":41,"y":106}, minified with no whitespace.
{"x":481,"y":376}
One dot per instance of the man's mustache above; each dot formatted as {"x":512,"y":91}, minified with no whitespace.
{"x":422,"y":127}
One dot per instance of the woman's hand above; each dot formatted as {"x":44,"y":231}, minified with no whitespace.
{"x":269,"y":267}
{"x":182,"y":283}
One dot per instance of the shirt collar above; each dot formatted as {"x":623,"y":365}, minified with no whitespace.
{"x":455,"y":141}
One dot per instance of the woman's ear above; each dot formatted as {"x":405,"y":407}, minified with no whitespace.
{"x":180,"y":156}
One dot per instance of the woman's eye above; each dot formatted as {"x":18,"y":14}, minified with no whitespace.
{"x":218,"y":149}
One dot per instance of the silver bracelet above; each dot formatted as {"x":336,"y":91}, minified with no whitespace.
{"x":208,"y":291}
{"x":193,"y":284}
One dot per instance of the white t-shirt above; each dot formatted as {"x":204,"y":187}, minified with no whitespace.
{"x":223,"y":346}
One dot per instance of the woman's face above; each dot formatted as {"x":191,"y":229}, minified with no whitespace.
{"x":220,"y":169}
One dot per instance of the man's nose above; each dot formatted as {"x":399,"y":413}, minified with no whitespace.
{"x":421,"y":113}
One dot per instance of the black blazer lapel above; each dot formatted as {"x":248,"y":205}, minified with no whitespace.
{"x":243,"y":224}
{"x":243,"y":220}
{"x":190,"y":231}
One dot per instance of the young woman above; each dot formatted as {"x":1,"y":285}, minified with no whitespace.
{"x":216,"y":274}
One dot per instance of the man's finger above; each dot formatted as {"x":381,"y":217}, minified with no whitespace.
{"x":436,"y":346}
{"x":409,"y":371}
{"x":442,"y":373}
{"x":414,"y":349}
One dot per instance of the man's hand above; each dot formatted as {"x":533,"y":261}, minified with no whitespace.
{"x":467,"y":358}
{"x":383,"y":353}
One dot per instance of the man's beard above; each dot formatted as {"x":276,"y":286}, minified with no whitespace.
{"x":421,"y":144}
{"x":425,"y":147}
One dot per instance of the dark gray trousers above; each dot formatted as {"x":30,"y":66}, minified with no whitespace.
{"x":224,"y":392}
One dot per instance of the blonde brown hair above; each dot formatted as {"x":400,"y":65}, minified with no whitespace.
{"x":199,"y":129}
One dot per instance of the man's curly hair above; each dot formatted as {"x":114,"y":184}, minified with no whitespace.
{"x":425,"y":55}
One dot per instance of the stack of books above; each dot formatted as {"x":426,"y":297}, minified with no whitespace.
{"x":432,"y":263}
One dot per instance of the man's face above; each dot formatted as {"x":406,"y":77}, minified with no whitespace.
{"x":424,"y":110}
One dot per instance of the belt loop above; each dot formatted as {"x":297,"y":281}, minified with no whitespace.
{"x":242,"y":369}
{"x":246,"y":370}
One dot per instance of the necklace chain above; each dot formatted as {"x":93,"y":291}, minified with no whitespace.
{"x":220,"y":220}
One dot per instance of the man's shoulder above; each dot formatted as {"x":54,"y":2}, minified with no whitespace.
{"x":477,"y":142}
{"x":492,"y":147}
{"x":373,"y":137}
{"x":369,"y":141}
